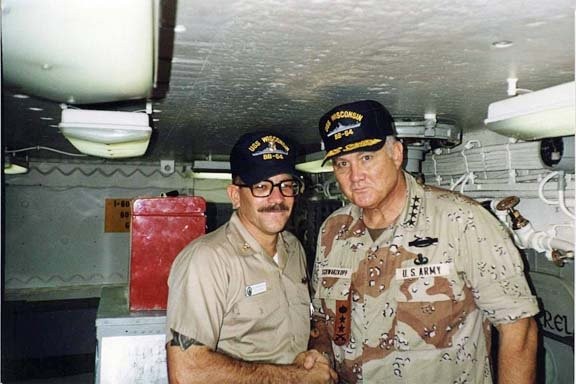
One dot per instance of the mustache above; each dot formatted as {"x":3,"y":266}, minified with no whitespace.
{"x":274,"y":208}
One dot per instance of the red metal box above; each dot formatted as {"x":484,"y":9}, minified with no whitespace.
{"x":160,"y":228}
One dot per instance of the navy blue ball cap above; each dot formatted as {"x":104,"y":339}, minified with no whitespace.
{"x":257,"y":156}
{"x":359,"y":126}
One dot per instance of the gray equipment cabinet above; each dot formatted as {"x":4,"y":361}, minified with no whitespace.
{"x":131,"y":345}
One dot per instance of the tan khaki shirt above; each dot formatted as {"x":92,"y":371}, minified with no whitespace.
{"x":423,"y":295}
{"x":226,"y":293}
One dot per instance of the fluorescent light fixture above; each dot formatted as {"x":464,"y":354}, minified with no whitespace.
{"x":12,"y":167}
{"x":211,"y":166}
{"x":209,"y":169}
{"x":312,"y":163}
{"x":111,"y":151}
{"x":212,"y":175}
{"x":110,"y":134}
{"x":545,"y":113}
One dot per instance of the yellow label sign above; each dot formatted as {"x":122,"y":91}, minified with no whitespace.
{"x":117,"y":215}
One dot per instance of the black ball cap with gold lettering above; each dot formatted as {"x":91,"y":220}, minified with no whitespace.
{"x":359,"y":126}
{"x":257,"y":156}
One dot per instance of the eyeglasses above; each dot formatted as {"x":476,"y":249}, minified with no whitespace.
{"x":264,"y":188}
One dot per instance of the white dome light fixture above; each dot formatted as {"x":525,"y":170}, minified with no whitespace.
{"x":109,"y":134}
{"x":545,"y":113}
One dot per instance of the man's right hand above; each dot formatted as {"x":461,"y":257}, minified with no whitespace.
{"x":318,"y":367}
{"x":199,"y":365}
{"x":320,"y":373}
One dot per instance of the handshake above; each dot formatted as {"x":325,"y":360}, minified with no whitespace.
{"x":317,"y":368}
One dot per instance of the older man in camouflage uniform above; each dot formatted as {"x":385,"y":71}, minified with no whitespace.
{"x":409,"y":278}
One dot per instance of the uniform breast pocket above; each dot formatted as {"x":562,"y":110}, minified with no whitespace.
{"x":300,"y":300}
{"x":255,"y":325}
{"x":427,"y":315}
{"x":334,"y":289}
{"x":251,"y":308}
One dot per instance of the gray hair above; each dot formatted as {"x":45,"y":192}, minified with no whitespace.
{"x":389,"y":144}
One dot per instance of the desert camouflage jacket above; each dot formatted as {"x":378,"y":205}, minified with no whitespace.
{"x":416,"y":304}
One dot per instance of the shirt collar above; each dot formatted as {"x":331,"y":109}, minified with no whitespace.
{"x":413,"y":207}
{"x":246,"y":244}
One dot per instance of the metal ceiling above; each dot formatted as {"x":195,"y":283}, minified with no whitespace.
{"x":241,"y":65}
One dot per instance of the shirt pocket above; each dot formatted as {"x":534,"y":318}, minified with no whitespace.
{"x":301,"y":301}
{"x":427,"y":314}
{"x":299,"y":313}
{"x":251,"y":309}
{"x":256,"y":327}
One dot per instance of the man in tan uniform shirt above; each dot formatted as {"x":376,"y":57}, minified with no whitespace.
{"x":238,"y":303}
{"x":408,"y":278}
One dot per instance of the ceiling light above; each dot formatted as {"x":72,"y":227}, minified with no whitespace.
{"x":213,"y":175}
{"x":110,"y":134}
{"x":13,"y":166}
{"x":111,"y":151}
{"x":312,"y":163}
{"x":209,"y":169}
{"x":548,"y":112}
{"x":45,"y":55}
{"x":211,"y":166}
{"x":14,"y":169}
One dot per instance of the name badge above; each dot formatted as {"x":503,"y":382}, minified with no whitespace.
{"x":341,"y":273}
{"x":256,"y":289}
{"x":423,"y":271}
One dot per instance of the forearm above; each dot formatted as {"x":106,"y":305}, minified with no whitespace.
{"x":518,"y":344}
{"x":199,"y":364}
{"x":319,"y":337}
